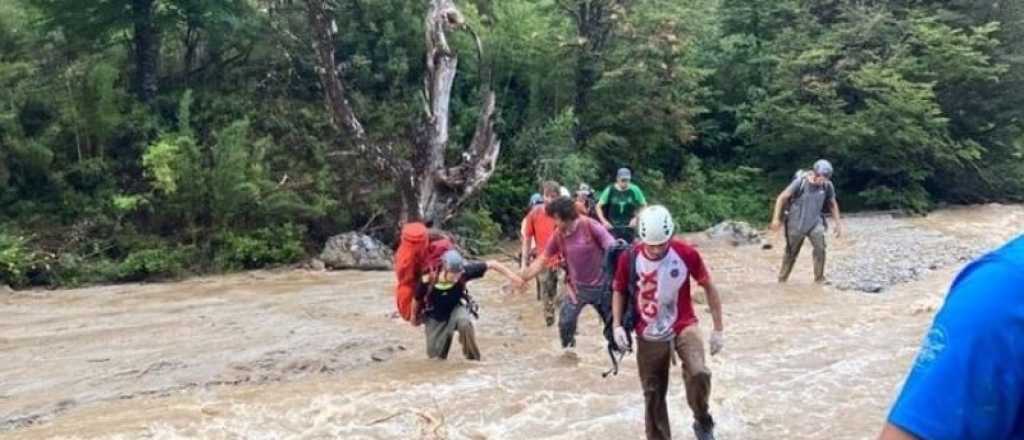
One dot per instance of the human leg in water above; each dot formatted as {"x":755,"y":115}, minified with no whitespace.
{"x":794,"y":241}
{"x":439,"y":337}
{"x":697,"y":379}
{"x":467,"y":334}
{"x":817,"y":238}
{"x":548,"y":283}
{"x":569,"y":316}
{"x":653,"y":360}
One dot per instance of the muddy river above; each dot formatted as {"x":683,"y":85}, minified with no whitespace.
{"x":318,"y":355}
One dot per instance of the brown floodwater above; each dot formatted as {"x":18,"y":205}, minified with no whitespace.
{"x":319,"y":355}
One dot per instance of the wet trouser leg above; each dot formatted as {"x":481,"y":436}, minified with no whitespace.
{"x":653,"y":362}
{"x":570,"y":313}
{"x":440,"y":334}
{"x":817,"y":238}
{"x":794,"y":241}
{"x":548,"y":284}
{"x":467,"y":334}
{"x":696,"y":376}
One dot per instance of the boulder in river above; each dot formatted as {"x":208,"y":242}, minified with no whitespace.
{"x":316,"y":264}
{"x":353,"y":250}
{"x":735,"y":232}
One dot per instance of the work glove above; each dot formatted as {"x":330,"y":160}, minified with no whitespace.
{"x":716,"y":342}
{"x":621,"y":337}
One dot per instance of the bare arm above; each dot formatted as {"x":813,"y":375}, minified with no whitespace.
{"x":524,"y":258}
{"x":504,"y":270}
{"x":835,"y":216}
{"x":415,"y":321}
{"x":892,"y":432}
{"x":618,"y":303}
{"x":535,"y":268}
{"x":715,"y":302}
{"x":779,"y":203}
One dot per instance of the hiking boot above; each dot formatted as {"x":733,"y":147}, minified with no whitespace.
{"x":703,"y":432}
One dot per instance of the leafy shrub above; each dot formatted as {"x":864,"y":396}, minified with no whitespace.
{"x":478,"y":233}
{"x":706,"y":197}
{"x":72,"y":270}
{"x":16,"y":260}
{"x":263,"y":247}
{"x":151,"y":263}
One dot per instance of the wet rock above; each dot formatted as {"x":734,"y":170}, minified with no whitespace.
{"x":386,"y":353}
{"x":317,"y":265}
{"x":381,"y":355}
{"x":353,"y":250}
{"x":890,"y":251}
{"x":736,"y":233}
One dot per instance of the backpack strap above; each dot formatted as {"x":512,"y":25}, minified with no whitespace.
{"x":629,"y":309}
{"x":800,"y":188}
{"x":589,"y":223}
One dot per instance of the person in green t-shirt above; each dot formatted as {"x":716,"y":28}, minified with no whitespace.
{"x":618,"y":205}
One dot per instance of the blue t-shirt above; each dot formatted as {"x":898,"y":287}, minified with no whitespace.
{"x":968,"y":379}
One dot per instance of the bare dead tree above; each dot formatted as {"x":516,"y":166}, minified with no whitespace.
{"x":430,"y":188}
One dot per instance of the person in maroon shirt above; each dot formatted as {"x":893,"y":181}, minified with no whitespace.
{"x":652,"y":298}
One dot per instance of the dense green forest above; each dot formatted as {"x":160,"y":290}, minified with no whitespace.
{"x":150,"y":138}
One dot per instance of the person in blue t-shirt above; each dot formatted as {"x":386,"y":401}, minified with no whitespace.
{"x":968,"y":379}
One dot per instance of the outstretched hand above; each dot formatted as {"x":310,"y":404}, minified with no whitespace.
{"x":515,"y":285}
{"x":716,"y":342}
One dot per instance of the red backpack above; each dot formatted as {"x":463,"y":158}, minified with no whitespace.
{"x":419,"y":252}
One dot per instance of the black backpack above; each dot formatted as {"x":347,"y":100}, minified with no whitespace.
{"x":611,"y":260}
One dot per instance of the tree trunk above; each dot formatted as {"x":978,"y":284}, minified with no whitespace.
{"x":147,"y":49}
{"x":595,"y":22}
{"x":586,"y":78}
{"x":430,"y":189}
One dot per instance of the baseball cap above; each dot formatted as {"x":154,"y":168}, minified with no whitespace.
{"x":453,"y":261}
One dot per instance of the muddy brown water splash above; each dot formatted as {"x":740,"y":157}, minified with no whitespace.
{"x":268,"y":355}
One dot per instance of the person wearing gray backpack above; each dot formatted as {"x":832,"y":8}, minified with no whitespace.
{"x":801,"y":208}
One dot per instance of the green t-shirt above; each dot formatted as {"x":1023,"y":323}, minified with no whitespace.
{"x":620,"y":206}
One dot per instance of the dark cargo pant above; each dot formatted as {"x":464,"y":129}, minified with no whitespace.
{"x":794,"y":241}
{"x":599,"y":298}
{"x":440,"y":334}
{"x":653,"y":360}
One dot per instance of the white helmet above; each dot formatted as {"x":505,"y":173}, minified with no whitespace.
{"x":655,"y":225}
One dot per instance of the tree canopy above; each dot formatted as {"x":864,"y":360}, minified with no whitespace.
{"x":143,"y":138}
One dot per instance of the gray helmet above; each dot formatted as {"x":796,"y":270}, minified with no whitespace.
{"x":823,"y":167}
{"x":452,"y":261}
